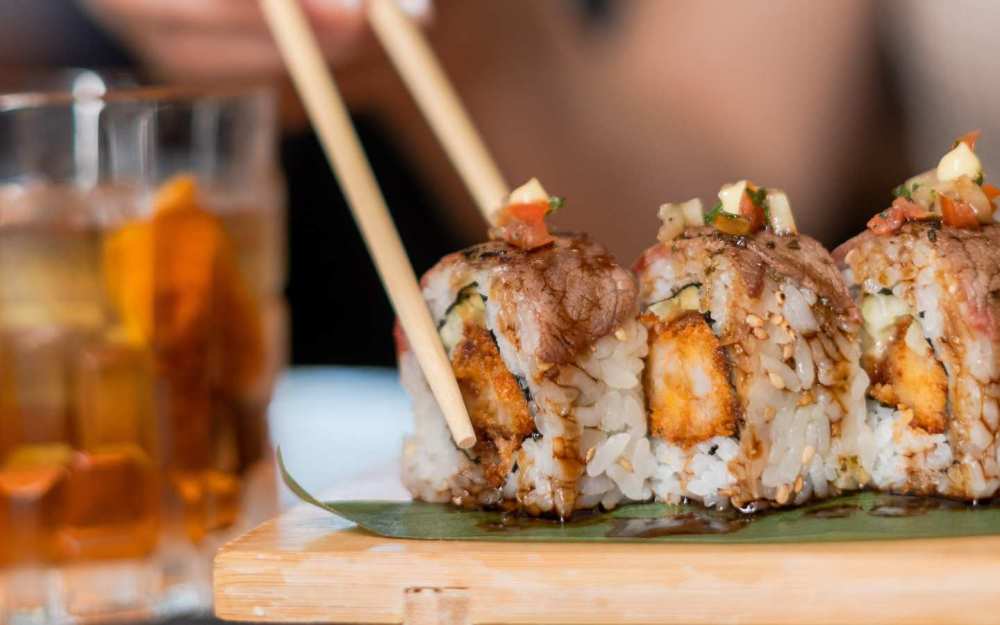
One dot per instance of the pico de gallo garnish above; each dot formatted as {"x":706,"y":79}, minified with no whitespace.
{"x":954,"y":193}
{"x":521,"y":221}
{"x":743,"y":208}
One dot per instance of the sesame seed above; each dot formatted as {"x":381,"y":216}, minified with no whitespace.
{"x":798,"y":483}
{"x":754,"y":321}
{"x":590,"y":454}
{"x":620,"y":334}
{"x":808,"y":453}
{"x":625,"y":464}
{"x":777,"y":320}
{"x":776,"y":380}
{"x":782,"y":495}
{"x":761,"y":333}
{"x":787,"y":351}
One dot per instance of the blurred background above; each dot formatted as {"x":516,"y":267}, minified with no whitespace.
{"x":617,"y":105}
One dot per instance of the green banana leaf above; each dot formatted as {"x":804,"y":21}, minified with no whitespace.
{"x":856,"y":517}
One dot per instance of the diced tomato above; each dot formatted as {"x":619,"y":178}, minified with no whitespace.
{"x":886,"y":222}
{"x":751,"y":212}
{"x":533,"y":212}
{"x":892,"y":219}
{"x":970,"y":139}
{"x":991,"y":193}
{"x":523,"y":225}
{"x":958,"y":213}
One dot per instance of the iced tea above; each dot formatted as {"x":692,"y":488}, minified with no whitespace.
{"x":141,"y":328}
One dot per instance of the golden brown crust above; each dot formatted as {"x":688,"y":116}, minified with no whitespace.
{"x":683,"y":409}
{"x":496,"y":404}
{"x":904,"y":378}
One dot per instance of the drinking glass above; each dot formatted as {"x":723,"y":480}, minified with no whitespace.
{"x":142,"y":325}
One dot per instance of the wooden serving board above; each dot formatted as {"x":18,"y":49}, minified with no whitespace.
{"x":308,"y":566}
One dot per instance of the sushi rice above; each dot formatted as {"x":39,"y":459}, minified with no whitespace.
{"x":588,"y":446}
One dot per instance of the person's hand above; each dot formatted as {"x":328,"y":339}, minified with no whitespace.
{"x":225,"y":39}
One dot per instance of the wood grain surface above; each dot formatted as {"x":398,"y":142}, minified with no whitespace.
{"x":307,"y":566}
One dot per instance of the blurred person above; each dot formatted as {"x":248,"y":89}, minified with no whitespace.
{"x":617,"y":105}
{"x":635,"y":103}
{"x":203,"y":40}
{"x":947,"y":54}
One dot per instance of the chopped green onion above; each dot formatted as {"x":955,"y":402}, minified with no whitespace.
{"x":758,"y":196}
{"x":555,"y":203}
{"x":712,"y":214}
{"x":903,"y":191}
{"x":979,"y":179}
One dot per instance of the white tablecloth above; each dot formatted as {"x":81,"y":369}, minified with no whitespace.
{"x":340,"y":430}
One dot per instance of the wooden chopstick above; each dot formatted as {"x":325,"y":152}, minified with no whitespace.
{"x":343,"y":149}
{"x":421,"y":71}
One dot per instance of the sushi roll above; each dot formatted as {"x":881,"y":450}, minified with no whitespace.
{"x":754,"y":392}
{"x":926,"y":276}
{"x":542,"y":335}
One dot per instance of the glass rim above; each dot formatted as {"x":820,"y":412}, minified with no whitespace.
{"x":137,"y":93}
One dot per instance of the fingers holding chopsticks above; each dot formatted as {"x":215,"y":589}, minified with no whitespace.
{"x":198,"y":40}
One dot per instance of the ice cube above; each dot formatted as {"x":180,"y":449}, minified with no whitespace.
{"x":110,"y":504}
{"x":30,"y":511}
{"x":50,"y":275}
{"x":114,"y":395}
{"x":35,"y":384}
{"x":208,"y":500}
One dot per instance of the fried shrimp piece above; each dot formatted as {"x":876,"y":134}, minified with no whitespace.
{"x":909,"y":375}
{"x":496,"y":404}
{"x":687,"y":378}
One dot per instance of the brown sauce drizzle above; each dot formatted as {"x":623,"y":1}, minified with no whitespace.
{"x":833,"y":512}
{"x":906,"y":506}
{"x":513,"y":522}
{"x":706,"y":522}
{"x":684,"y":524}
